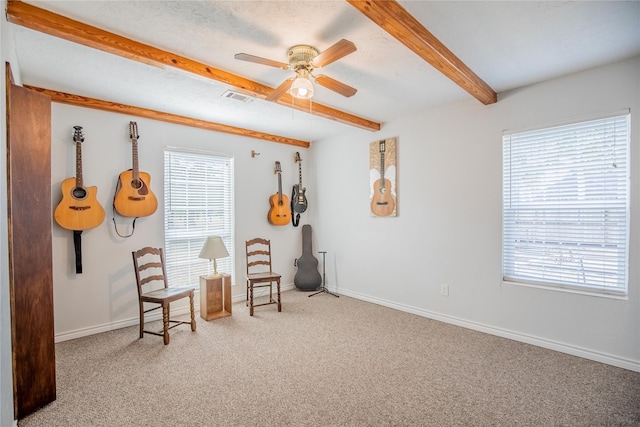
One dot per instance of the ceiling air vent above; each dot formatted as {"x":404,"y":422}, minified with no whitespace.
{"x":237,"y":96}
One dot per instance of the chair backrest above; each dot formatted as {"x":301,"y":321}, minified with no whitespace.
{"x":258,"y":255}
{"x":148,"y":264}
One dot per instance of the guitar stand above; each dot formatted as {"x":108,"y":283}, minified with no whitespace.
{"x":324,"y":289}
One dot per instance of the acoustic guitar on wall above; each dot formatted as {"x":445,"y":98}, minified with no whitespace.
{"x":78,"y":209}
{"x":134,"y":197}
{"x":279,"y":212}
{"x":382,"y":202}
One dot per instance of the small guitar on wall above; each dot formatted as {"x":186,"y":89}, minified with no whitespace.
{"x":79,"y":209}
{"x":134,"y":197}
{"x":382,"y":202}
{"x":279,"y":213}
{"x":298,"y":198}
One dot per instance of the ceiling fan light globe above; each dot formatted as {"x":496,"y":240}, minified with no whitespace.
{"x":301,"y":88}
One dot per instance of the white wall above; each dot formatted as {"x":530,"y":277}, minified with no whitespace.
{"x":104,"y":296}
{"x":448,"y":228}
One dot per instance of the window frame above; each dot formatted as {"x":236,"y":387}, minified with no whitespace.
{"x":509,"y":276}
{"x":184,"y":269}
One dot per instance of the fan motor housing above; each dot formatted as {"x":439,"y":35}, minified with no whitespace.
{"x":300,"y":57}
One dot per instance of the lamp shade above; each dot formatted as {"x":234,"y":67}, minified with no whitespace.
{"x":214,"y":248}
{"x":301,"y":88}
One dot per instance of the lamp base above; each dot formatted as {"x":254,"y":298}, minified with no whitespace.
{"x":215,"y":297}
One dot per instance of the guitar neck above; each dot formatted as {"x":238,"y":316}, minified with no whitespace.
{"x":382,"y":166}
{"x":300,"y":175}
{"x":134,"y":154}
{"x":79,"y":183}
{"x":279,"y":188}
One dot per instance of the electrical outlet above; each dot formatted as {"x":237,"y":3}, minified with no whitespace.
{"x":444,"y":290}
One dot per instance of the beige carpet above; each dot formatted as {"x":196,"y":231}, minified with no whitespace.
{"x":326,"y":361}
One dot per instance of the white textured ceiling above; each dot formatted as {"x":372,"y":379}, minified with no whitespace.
{"x":508,"y":44}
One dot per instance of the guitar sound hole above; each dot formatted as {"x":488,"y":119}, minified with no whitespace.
{"x":79,"y":193}
{"x":136,"y":183}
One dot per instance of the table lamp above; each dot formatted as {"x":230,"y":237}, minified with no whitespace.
{"x":213,"y":248}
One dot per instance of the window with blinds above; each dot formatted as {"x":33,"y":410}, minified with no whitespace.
{"x":566,"y":206}
{"x":198,"y":202}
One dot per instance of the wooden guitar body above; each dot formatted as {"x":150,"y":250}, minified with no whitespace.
{"x":279,"y":213}
{"x":307,"y":277}
{"x":382,"y":203}
{"x":79,"y":208}
{"x":134,"y":197}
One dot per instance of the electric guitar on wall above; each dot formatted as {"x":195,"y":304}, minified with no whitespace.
{"x":298,"y":198}
{"x":133,"y":197}
{"x":279,"y":213}
{"x":382,"y":202}
{"x":79,"y":209}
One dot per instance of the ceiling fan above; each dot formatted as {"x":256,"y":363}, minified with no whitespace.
{"x":303,"y":59}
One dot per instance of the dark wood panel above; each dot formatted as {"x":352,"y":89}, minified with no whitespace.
{"x":30,"y":253}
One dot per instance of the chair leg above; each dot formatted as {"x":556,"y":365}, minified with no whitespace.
{"x":193,"y":317}
{"x":250,"y":299}
{"x":278,"y":292}
{"x":141,"y":319}
{"x":165,"y":322}
{"x":247,"y":299}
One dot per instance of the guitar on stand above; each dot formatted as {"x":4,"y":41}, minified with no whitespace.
{"x":78,"y":209}
{"x":382,"y":202}
{"x":298,"y":198}
{"x":279,"y":213}
{"x":134,"y":197}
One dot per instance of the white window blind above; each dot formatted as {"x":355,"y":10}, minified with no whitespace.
{"x":566,"y":206}
{"x":198,"y":194}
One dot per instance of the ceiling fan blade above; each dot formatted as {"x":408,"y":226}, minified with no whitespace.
{"x":259,"y":60}
{"x":280,"y":90}
{"x":336,"y":86}
{"x":333,"y":53}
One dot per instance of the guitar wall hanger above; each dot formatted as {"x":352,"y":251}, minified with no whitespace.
{"x":253,"y":153}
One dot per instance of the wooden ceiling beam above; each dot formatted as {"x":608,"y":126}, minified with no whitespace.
{"x":42,"y":20}
{"x":114,"y":107}
{"x":395,"y":20}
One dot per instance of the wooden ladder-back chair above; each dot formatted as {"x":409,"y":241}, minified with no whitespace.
{"x":260,"y":273}
{"x":151,"y":278}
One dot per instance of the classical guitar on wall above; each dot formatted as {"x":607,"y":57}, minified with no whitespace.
{"x":78,"y":209}
{"x":298,"y":197}
{"x":134,"y":197}
{"x":279,"y":212}
{"x":383,"y":201}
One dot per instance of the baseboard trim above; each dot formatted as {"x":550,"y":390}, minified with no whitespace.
{"x":632,"y":365}
{"x":134,"y":321}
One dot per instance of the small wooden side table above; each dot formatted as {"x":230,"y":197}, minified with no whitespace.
{"x":215,"y":296}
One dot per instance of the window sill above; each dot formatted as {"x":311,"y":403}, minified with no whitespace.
{"x":617,"y":295}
